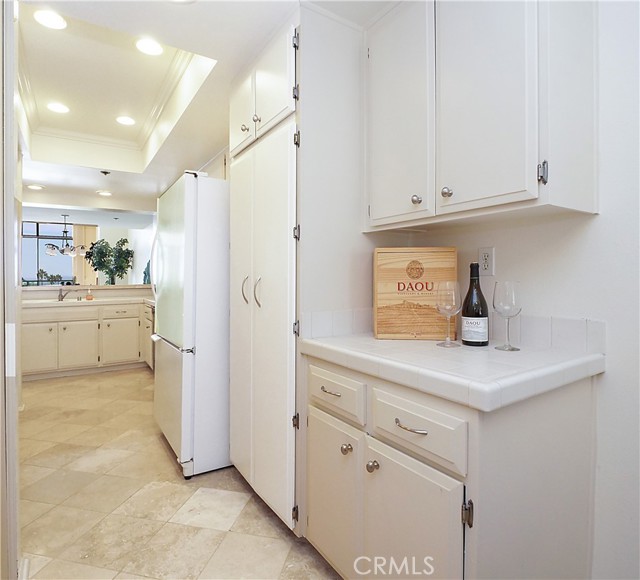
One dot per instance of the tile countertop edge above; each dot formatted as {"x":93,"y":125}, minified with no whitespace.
{"x":485,"y":396}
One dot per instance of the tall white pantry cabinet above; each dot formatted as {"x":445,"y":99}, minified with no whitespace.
{"x":263,"y":275}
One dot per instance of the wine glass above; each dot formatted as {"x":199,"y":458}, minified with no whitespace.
{"x":448,"y":303}
{"x":506,"y":302}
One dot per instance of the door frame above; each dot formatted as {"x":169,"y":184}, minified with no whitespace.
{"x":9,"y":312}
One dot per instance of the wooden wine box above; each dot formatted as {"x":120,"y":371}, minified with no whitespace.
{"x":404,"y":292}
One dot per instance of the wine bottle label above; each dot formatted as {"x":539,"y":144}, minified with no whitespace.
{"x":475,"y":329}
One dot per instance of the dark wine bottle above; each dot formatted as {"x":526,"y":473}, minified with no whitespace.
{"x":475,"y":314}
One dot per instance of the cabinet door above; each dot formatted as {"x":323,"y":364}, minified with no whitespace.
{"x":334,"y":491}
{"x":39,"y":347}
{"x":411,"y":514}
{"x":274,"y":81}
{"x":400,"y":114}
{"x":241,"y":299}
{"x":120,"y":340}
{"x":272,"y":294}
{"x":487,"y":104}
{"x":78,"y":344}
{"x":146,"y":344}
{"x":241,"y":111}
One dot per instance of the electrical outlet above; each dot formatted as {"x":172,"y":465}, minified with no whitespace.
{"x":487,"y":261}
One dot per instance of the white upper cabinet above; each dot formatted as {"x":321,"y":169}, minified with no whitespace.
{"x":400,"y":114}
{"x":487,"y":105}
{"x":263,"y":96}
{"x":514,"y":123}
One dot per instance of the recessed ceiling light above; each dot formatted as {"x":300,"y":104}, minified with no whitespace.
{"x":50,"y":19}
{"x":58,"y":108}
{"x":103,"y":192}
{"x":35,"y":187}
{"x":149,"y":46}
{"x":124,"y":120}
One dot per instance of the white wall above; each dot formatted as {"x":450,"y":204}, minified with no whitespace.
{"x":217,"y":167}
{"x":335,"y":259}
{"x":140,"y":241}
{"x":588,"y":267}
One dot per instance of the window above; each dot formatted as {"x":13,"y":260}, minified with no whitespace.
{"x":38,"y":268}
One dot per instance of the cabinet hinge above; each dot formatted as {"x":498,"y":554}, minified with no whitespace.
{"x":98,"y":358}
{"x":296,"y":92}
{"x":295,"y":514}
{"x":295,"y":420}
{"x":98,"y":326}
{"x":369,"y":210}
{"x":296,"y":138}
{"x":139,"y":354}
{"x":296,"y":232}
{"x":543,"y":172}
{"x":295,"y":40}
{"x":368,"y":53}
{"x":296,"y":328}
{"x":467,"y":513}
{"x":138,"y":323}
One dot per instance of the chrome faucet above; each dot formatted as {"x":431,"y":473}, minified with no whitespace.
{"x":62,"y":294}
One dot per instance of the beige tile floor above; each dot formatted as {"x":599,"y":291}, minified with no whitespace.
{"x":101,"y":495}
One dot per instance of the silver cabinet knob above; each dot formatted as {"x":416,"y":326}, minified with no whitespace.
{"x":416,"y":199}
{"x":446,"y":192}
{"x":256,"y":119}
{"x":372,"y":466}
{"x":244,"y":128}
{"x":346,"y":448}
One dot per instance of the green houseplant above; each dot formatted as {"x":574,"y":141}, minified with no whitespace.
{"x":111,"y":261}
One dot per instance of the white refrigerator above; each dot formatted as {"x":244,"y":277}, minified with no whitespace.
{"x":190,"y":278}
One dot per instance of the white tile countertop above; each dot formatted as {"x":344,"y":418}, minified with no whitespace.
{"x":479,"y":377}
{"x":73,"y":302}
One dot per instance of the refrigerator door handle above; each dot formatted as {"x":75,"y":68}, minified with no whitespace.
{"x":157,"y":337}
{"x":152,"y":269}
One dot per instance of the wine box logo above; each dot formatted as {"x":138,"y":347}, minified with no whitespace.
{"x":414,"y":269}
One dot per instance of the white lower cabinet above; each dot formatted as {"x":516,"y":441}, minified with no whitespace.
{"x":120,"y":341}
{"x":423,"y":486}
{"x":78,"y":344}
{"x":63,"y":338}
{"x":371,"y":505}
{"x":146,"y":330}
{"x":39,"y":347}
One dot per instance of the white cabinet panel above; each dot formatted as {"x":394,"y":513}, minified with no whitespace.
{"x":120,"y":340}
{"x":334,"y":456}
{"x":400,"y":114}
{"x":242,"y":129}
{"x":78,"y":344}
{"x":264,"y":96}
{"x":39,"y":347}
{"x":412,"y":513}
{"x":263,"y":312}
{"x":487,"y":105}
{"x":241,"y":280}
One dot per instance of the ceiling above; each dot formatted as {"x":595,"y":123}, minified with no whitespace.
{"x":179,"y":99}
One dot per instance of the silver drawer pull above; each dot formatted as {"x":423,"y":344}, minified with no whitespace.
{"x":244,"y":128}
{"x":330,"y":392}
{"x":346,"y":448}
{"x":411,"y":430}
{"x":372,"y":466}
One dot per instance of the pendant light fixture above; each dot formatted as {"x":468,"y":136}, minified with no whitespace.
{"x":66,"y":249}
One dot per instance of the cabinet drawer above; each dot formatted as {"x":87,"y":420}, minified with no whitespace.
{"x":421,"y":429}
{"x":122,"y":311}
{"x":147,"y":312}
{"x":342,"y":395}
